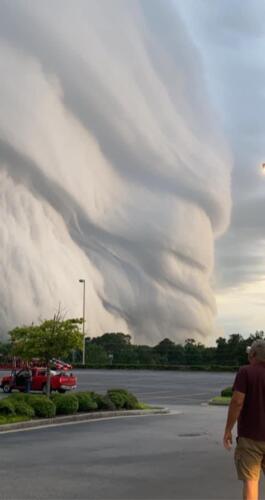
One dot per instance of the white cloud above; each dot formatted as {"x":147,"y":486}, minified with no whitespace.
{"x":108,"y":138}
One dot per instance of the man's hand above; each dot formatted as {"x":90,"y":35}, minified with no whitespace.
{"x":235,"y":407}
{"x":228,"y":440}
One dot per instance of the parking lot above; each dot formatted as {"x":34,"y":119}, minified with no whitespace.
{"x":174,"y":457}
{"x":156,"y":387}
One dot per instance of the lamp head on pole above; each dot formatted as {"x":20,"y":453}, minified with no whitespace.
{"x":81,"y":281}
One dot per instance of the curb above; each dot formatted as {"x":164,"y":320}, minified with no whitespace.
{"x":84,"y":417}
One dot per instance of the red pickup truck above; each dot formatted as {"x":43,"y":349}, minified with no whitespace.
{"x":61,"y":381}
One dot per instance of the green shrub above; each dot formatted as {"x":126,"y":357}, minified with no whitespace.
{"x":22,"y":396}
{"x":12,"y":419}
{"x":66,"y":404}
{"x":117,"y":398}
{"x":198,"y":368}
{"x":55,"y":395}
{"x":131,"y":402}
{"x":18,"y":396}
{"x":122,"y":399}
{"x":227,"y":392}
{"x":86,"y":402}
{"x":154,"y":366}
{"x":103,"y":402}
{"x":221,"y":368}
{"x":22,"y":408}
{"x":7,"y":407}
{"x":42,"y":405}
{"x":95,"y":396}
{"x":220,"y":401}
{"x":99,"y":399}
{"x":56,"y":398}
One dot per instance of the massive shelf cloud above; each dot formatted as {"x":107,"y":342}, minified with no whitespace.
{"x":112,"y":168}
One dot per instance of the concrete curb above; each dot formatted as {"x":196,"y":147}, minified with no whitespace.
{"x":79,"y":417}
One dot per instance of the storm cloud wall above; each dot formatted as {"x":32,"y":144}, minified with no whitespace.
{"x":112,"y":169}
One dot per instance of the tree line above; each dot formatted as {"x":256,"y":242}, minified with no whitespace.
{"x":116,"y":349}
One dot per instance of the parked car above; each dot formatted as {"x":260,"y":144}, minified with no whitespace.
{"x":61,"y":381}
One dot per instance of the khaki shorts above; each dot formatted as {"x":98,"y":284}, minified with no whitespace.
{"x":249,"y":458}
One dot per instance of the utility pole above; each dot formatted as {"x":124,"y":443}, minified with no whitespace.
{"x":84,"y":312}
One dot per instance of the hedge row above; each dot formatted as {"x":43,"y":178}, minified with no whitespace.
{"x":227,"y":392}
{"x":41,"y":406}
{"x":123,"y":366}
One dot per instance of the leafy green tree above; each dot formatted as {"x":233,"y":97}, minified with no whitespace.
{"x":164,"y":347}
{"x":147,"y":356}
{"x":54,"y":338}
{"x":208,"y":356}
{"x":236,"y":349}
{"x":176,"y":355}
{"x":169,"y":352}
{"x":114,"y":344}
{"x":96,"y":355}
{"x":127,"y":355}
{"x":5,"y":351}
{"x":258,"y":335}
{"x":193,"y":355}
{"x":221,"y":351}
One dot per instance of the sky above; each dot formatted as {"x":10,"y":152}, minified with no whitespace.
{"x":130,"y":150}
{"x":231,"y":38}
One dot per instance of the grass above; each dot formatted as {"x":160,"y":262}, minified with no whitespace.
{"x":12,"y":420}
{"x":144,"y":406}
{"x":220,"y":401}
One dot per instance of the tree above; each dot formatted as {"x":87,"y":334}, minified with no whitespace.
{"x":54,"y":338}
{"x":258,"y":335}
{"x":96,"y":355}
{"x":208,"y":356}
{"x":5,"y":350}
{"x":113,"y":343}
{"x":165,"y":350}
{"x":176,"y":356}
{"x":236,"y":349}
{"x":127,"y":355}
{"x":164,"y":346}
{"x":221,"y":351}
{"x":147,"y":356}
{"x":193,"y":354}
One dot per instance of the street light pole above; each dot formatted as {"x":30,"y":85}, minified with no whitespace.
{"x":84,"y":309}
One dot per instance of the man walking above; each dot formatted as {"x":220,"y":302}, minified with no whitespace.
{"x":247,"y":407}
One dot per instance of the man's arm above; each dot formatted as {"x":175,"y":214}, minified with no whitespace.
{"x":234,"y":410}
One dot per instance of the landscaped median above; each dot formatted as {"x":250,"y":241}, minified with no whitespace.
{"x":20,"y":410}
{"x":224,"y":399}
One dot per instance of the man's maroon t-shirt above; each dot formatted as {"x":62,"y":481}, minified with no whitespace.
{"x":251,"y":381}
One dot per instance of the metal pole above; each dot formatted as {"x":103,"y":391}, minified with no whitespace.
{"x":84,"y":312}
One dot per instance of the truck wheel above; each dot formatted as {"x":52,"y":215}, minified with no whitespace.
{"x":61,"y":391}
{"x":6,"y":388}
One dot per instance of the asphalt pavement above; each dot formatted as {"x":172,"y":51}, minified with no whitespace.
{"x":179,"y":456}
{"x":158,"y":387}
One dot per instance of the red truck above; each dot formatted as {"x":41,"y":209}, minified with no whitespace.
{"x":61,"y":381}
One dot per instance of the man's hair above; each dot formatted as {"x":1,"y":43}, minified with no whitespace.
{"x":258,"y":350}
